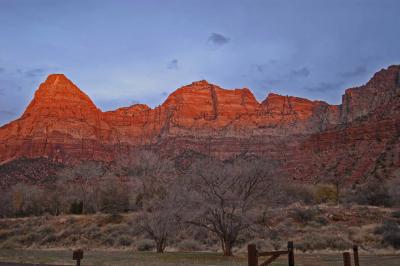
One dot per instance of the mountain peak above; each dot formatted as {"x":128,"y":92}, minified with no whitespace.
{"x":202,"y":82}
{"x":55,"y":78}
{"x":58,"y":91}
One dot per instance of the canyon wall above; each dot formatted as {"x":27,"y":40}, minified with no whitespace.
{"x":310,"y":139}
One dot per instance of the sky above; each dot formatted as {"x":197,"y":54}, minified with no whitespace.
{"x":126,"y":52}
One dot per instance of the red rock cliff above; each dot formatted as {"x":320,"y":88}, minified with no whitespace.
{"x":63,"y":124}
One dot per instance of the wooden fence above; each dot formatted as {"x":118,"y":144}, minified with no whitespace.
{"x":254,"y":254}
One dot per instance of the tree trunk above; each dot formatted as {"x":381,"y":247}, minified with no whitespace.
{"x":337,"y":193}
{"x":160,"y":245}
{"x":226,"y":248}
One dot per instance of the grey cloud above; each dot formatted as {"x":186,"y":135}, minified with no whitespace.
{"x":259,"y":67}
{"x":263,"y":67}
{"x":271,"y":82}
{"x":302,"y":72}
{"x":354,"y":73}
{"x":217,"y":40}
{"x":35,"y":72}
{"x":281,"y":78}
{"x":325,"y":87}
{"x":173,"y":64}
{"x":2,"y":70}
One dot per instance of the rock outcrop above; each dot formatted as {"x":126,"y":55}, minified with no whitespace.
{"x":310,"y":138}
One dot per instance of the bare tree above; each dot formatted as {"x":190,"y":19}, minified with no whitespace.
{"x":160,"y":222}
{"x":223,"y":197}
{"x":83,"y":175}
{"x":151,"y":172}
{"x":338,"y":173}
{"x":154,"y":177}
{"x":113,"y":196}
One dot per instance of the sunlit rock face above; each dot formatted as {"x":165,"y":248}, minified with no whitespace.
{"x":309,"y":138}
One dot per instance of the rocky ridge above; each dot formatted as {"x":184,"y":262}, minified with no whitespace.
{"x":310,"y":138}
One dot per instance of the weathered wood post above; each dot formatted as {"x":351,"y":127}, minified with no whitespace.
{"x":355,"y":254}
{"x":77,"y":255}
{"x":346,"y":259}
{"x":290,"y":253}
{"x":252,"y":255}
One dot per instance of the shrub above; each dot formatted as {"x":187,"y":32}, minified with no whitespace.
{"x":111,"y":219}
{"x":314,"y":241}
{"x":91,"y":231}
{"x":9,"y":244}
{"x":28,"y":239}
{"x":108,"y":240}
{"x":189,"y":245}
{"x":372,"y":193}
{"x":263,"y":245}
{"x":124,"y":241}
{"x":4,"y":234}
{"x":396,"y":214}
{"x":295,"y":192}
{"x":76,"y":207}
{"x":145,"y":245}
{"x":325,"y":194}
{"x":390,"y":232}
{"x":304,"y":215}
{"x":321,"y":220}
{"x":50,"y":238}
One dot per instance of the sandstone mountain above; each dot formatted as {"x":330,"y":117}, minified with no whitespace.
{"x":310,"y":139}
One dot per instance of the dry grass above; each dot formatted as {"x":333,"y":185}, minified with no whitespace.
{"x":312,"y":229}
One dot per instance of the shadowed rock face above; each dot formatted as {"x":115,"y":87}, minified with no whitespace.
{"x":309,"y":138}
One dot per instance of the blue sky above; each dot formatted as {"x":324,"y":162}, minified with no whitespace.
{"x":124,"y":52}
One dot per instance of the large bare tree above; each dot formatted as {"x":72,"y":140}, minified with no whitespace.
{"x":160,"y":220}
{"x":224,"y":198}
{"x":83,"y":176}
{"x":154,"y":178}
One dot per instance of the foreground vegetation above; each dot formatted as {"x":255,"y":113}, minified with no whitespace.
{"x":313,"y":229}
{"x":149,"y":203}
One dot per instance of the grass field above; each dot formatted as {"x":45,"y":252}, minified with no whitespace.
{"x":126,"y":258}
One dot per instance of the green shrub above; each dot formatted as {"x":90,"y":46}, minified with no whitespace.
{"x":76,"y":207}
{"x":390,"y":232}
{"x":145,"y":245}
{"x":396,"y":214}
{"x":325,"y":194}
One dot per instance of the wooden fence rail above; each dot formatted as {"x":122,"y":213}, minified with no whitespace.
{"x":254,"y":254}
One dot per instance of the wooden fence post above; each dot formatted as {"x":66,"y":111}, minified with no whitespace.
{"x":346,"y":259}
{"x":252,"y":255}
{"x":291,"y":253}
{"x":77,"y":255}
{"x":355,"y":254}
